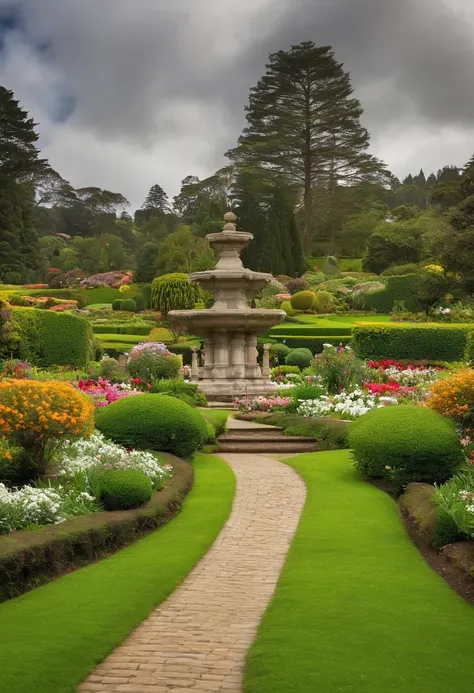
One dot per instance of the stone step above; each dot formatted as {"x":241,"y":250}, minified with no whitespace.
{"x":264,"y":437}
{"x":256,"y":447}
{"x":254,"y":432}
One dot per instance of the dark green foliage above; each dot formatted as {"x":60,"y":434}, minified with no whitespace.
{"x":417,"y":343}
{"x":446,"y":531}
{"x":402,"y":288}
{"x":469,"y":355}
{"x":156,"y":422}
{"x":124,"y":489}
{"x":173,"y":292}
{"x":405,"y":443}
{"x":392,"y":244}
{"x":128,"y":305}
{"x":68,"y":294}
{"x":302,"y":330}
{"x":279,"y":352}
{"x":299,"y":357}
{"x":116,"y":305}
{"x":19,"y":252}
{"x":46,"y":338}
{"x":146,"y":262}
{"x":183,"y":350}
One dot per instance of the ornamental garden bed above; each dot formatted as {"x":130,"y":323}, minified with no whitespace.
{"x":29,"y":559}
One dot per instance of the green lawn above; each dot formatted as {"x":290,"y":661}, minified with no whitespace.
{"x":357,"y":609}
{"x":122,"y":338}
{"x":53,"y":637}
{"x":216,"y":417}
{"x":346,"y":263}
{"x":99,"y":306}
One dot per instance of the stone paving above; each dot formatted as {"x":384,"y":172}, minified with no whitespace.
{"x":198,"y":638}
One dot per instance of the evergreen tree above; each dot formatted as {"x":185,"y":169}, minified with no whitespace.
{"x":146,"y":262}
{"x":304,"y":125}
{"x":19,"y":245}
{"x":156,"y":202}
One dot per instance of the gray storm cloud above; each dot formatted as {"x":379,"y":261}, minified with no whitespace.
{"x":155,"y":80}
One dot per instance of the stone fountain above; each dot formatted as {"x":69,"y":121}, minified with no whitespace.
{"x":230,"y":328}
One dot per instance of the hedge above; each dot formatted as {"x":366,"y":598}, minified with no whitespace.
{"x":301,"y":330}
{"x":314,"y":344}
{"x":402,"y":288}
{"x":413,"y":343}
{"x":122,"y":329}
{"x":469,"y":355}
{"x":46,"y":338}
{"x":29,"y":559}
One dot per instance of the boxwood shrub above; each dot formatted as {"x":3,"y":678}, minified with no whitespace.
{"x":428,"y":342}
{"x":49,"y":339}
{"x":299,"y":357}
{"x":405,"y":443}
{"x":314,"y":344}
{"x":153,"y":421}
{"x":124,"y":489}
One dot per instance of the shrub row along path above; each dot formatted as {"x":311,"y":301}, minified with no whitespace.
{"x":198,"y":639}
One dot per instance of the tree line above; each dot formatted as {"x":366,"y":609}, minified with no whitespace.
{"x":301,"y":179}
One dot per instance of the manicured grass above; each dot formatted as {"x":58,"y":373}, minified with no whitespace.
{"x":122,"y":338}
{"x":54,"y":636}
{"x":216,"y":417}
{"x":102,"y":295}
{"x":357,"y":609}
{"x":99,"y":306}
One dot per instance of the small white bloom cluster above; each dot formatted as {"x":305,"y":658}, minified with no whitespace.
{"x":349,"y":404}
{"x":412,"y":377}
{"x":40,"y":506}
{"x":98,"y":452}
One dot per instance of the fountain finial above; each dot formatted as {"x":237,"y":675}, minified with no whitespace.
{"x":230,"y":220}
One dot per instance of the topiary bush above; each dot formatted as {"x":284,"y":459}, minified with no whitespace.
{"x":188,"y":392}
{"x":405,"y":443}
{"x":116,"y":305}
{"x":279,"y":352}
{"x":111,"y":370}
{"x":303,"y":300}
{"x":156,"y":422}
{"x":173,"y":292}
{"x":323,"y":302}
{"x":124,"y":489}
{"x":128,"y":305}
{"x":286,"y":306}
{"x":299,"y":357}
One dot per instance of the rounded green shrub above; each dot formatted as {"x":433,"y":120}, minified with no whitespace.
{"x":286,"y":306}
{"x":303,"y":300}
{"x":405,"y":443}
{"x":173,"y":292}
{"x":153,"y":421}
{"x":323,"y":302}
{"x":123,"y":489}
{"x":299,"y":357}
{"x":116,"y":305}
{"x":128,"y":305}
{"x":279,"y":352}
{"x":111,"y":370}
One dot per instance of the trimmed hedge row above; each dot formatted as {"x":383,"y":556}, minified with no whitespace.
{"x":401,"y":288}
{"x":401,"y":342}
{"x":29,"y":559}
{"x":314,"y":344}
{"x":184,"y":350}
{"x":122,"y":329}
{"x":49,"y":339}
{"x":299,"y":329}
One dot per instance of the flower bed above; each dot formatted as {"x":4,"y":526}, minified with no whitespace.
{"x":265,"y":404}
{"x":104,"y":392}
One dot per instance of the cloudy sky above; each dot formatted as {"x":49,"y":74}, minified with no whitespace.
{"x":133,"y":92}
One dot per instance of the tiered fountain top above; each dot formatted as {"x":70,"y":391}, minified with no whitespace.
{"x":232,"y":286}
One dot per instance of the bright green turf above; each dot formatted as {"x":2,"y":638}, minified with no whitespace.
{"x":53,"y":637}
{"x":354,"y":264}
{"x":99,"y":306}
{"x":216,"y":417}
{"x":357,"y":609}
{"x":122,"y":338}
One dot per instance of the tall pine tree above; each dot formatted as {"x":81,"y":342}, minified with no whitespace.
{"x":304,"y":125}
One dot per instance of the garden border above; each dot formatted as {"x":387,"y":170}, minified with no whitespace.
{"x":29,"y":559}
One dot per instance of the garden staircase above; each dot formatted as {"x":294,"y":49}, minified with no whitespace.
{"x":245,"y":437}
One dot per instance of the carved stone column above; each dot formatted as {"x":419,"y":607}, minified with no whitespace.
{"x":252,"y":369}
{"x":221,"y":355}
{"x":266,"y":361}
{"x":238,"y":355}
{"x":208,"y":357}
{"x":194,"y":365}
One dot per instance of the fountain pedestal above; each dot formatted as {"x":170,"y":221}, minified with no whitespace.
{"x":230,"y":328}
